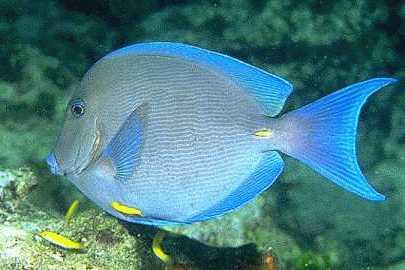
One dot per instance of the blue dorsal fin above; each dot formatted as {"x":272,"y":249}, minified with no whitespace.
{"x":267,"y":171}
{"x":269,"y":90}
{"x":123,"y":149}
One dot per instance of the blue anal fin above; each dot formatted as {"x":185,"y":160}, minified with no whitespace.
{"x":123,"y":149}
{"x":151,"y":221}
{"x":267,"y":171}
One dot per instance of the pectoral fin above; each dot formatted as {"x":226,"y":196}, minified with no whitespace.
{"x":124,"y":148}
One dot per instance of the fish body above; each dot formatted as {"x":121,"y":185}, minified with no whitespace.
{"x":186,"y":134}
{"x":60,"y":240}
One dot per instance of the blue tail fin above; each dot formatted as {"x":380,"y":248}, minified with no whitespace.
{"x":323,"y":136}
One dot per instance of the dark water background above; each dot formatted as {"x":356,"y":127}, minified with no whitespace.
{"x":319,"y":46}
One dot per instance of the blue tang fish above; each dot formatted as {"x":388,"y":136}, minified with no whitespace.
{"x":183,"y":134}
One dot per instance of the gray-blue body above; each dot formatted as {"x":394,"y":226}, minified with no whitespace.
{"x":170,"y":129}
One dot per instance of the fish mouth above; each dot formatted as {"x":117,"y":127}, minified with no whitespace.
{"x":95,"y":153}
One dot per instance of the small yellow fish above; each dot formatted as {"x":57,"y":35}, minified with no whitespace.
{"x":126,"y":210}
{"x":157,"y":248}
{"x":71,"y":211}
{"x":60,"y":240}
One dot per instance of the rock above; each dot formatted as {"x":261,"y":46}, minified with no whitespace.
{"x":108,"y":245}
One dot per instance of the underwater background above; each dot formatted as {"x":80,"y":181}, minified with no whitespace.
{"x":302,"y":222}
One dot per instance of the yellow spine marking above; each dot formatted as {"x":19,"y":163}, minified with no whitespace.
{"x":157,"y":248}
{"x":71,"y":211}
{"x":131,"y":211}
{"x":60,"y":240}
{"x":264,"y":133}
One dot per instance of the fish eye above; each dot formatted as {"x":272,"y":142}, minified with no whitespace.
{"x":77,"y":108}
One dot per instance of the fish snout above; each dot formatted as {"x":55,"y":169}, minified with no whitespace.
{"x":53,"y":164}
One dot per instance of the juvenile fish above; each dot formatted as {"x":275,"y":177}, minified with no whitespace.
{"x":60,"y":240}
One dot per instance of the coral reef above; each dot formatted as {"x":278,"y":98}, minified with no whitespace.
{"x":107,"y":243}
